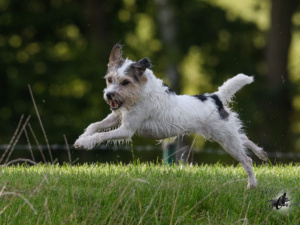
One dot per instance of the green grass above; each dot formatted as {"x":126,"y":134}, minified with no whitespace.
{"x":146,"y":194}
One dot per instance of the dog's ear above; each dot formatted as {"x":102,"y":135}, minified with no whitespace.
{"x":143,"y":63}
{"x":138,"y":68}
{"x":115,"y":58}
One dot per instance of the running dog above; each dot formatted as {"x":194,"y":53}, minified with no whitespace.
{"x":142,"y":104}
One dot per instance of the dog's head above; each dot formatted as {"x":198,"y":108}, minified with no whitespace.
{"x":124,"y":79}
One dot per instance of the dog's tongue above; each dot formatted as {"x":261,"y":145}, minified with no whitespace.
{"x":114,"y":104}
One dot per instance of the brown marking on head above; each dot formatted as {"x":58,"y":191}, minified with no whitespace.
{"x":109,"y":79}
{"x":125,"y":90}
{"x":143,"y":80}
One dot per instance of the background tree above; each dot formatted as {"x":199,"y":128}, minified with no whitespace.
{"x":277,"y":101}
{"x":61,"y":48}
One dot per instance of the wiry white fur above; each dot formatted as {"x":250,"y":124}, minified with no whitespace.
{"x":158,"y":114}
{"x":231,"y":86}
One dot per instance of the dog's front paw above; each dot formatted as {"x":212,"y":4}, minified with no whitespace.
{"x":84,"y":143}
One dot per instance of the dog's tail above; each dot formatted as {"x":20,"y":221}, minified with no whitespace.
{"x":231,"y":86}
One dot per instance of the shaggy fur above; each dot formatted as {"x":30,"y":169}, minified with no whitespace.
{"x":141,"y":104}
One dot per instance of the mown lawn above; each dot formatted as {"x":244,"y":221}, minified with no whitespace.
{"x":146,"y":194}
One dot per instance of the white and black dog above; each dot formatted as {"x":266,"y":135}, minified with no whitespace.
{"x":142,"y":104}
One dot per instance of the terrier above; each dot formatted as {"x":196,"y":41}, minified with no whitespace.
{"x":142,"y":104}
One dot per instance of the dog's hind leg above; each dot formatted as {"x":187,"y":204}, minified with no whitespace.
{"x":238,"y":153}
{"x":234,"y":146}
{"x":247,"y":165}
{"x":257,"y":150}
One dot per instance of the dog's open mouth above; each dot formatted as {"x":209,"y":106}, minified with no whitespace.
{"x":115,"y":104}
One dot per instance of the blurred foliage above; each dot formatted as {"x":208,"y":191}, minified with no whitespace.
{"x":61,"y":49}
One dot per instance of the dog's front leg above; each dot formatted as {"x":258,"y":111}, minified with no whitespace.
{"x":111,"y":120}
{"x":88,"y":142}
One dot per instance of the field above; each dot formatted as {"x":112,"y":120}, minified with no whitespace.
{"x":146,"y":194}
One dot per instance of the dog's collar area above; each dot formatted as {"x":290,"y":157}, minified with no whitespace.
{"x":114,"y":104}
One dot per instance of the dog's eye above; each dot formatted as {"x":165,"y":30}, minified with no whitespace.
{"x":109,"y":80}
{"x":125,"y":82}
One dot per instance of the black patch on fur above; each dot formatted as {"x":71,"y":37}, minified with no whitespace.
{"x":169,"y":90}
{"x":223,"y":113}
{"x":132,"y":71}
{"x":203,"y":98}
{"x":143,"y":63}
{"x":137,"y":69}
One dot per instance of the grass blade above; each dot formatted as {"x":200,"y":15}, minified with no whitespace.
{"x":41,"y":124}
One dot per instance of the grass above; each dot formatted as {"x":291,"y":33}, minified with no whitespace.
{"x":140,"y":193}
{"x":146,"y":194}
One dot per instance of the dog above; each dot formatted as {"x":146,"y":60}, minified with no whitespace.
{"x":142,"y":104}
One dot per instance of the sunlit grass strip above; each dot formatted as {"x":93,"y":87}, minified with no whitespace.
{"x":145,"y":194}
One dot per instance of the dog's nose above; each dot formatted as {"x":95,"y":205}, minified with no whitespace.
{"x":109,"y":95}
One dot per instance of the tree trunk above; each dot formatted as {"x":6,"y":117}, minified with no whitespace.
{"x":97,"y":19}
{"x":168,"y":31}
{"x":277,"y":105}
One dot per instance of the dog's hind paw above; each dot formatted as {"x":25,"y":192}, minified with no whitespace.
{"x":252,"y":184}
{"x":263,"y":155}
